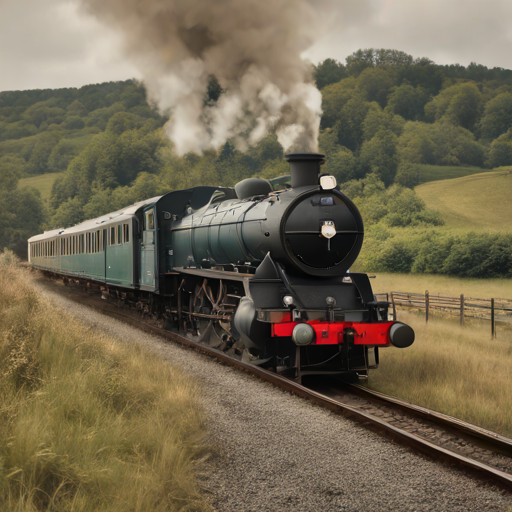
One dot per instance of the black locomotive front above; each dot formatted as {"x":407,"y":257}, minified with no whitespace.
{"x":301,"y":311}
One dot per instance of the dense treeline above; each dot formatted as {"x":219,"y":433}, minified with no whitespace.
{"x":384,"y":113}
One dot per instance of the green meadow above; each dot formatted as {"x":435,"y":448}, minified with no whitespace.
{"x":43,"y":183}
{"x":477,"y":202}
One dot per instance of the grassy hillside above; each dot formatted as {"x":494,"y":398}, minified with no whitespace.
{"x":479,"y":202}
{"x":43,"y":183}
{"x":442,"y":172}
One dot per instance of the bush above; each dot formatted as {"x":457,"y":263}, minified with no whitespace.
{"x":472,"y":255}
{"x":408,"y":175}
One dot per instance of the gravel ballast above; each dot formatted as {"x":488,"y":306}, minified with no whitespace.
{"x":278,"y":452}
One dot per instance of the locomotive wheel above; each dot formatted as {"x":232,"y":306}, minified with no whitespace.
{"x":200,"y":304}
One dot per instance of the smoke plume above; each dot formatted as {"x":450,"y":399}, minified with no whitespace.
{"x":253,"y":48}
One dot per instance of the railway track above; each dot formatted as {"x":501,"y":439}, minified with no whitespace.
{"x":481,"y":452}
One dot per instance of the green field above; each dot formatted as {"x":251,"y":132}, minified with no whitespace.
{"x":430,"y":173}
{"x":43,"y":183}
{"x":479,"y":202}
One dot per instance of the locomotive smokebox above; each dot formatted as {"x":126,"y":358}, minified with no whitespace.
{"x":305,"y":168}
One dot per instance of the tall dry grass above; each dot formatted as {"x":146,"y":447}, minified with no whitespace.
{"x":457,"y":370}
{"x":85,"y":423}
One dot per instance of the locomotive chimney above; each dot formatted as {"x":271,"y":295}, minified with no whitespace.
{"x":305,"y":168}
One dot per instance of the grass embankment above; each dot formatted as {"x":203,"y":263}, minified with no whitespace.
{"x":43,"y":183}
{"x":458,"y":371}
{"x":87,"y":424}
{"x":480,"y":202}
{"x":444,"y":285}
{"x":443,"y":172}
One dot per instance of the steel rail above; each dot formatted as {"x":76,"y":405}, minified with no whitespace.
{"x":399,"y":435}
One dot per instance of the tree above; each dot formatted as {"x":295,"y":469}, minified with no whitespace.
{"x":21,"y":216}
{"x":379,"y":156}
{"x":328,"y":72}
{"x":335,"y":97}
{"x":76,"y":109}
{"x":350,"y":124}
{"x":40,"y":113}
{"x":500,"y":153}
{"x":121,"y":122}
{"x":415,"y":144}
{"x":73,"y":123}
{"x":119,"y":163}
{"x":497,"y":117}
{"x":377,"y":119}
{"x":12,"y":168}
{"x":38,"y":161}
{"x":407,"y":175}
{"x":360,"y":60}
{"x":440,"y":144}
{"x":460,"y":104}
{"x":64,"y":151}
{"x":408,"y":101}
{"x":101,"y":116}
{"x":68,"y":214}
{"x":342,"y":165}
{"x":375,"y":84}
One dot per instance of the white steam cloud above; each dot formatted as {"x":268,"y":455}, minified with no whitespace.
{"x":253,"y":48}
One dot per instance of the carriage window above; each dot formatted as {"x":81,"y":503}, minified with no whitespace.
{"x":112,"y":236}
{"x":119,"y":234}
{"x":150,"y":220}
{"x":126,"y":229}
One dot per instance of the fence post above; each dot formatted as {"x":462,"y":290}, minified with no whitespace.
{"x":427,"y":304}
{"x":394,"y":306}
{"x":461,"y":309}
{"x":493,"y":326}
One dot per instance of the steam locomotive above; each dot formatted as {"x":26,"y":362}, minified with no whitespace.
{"x":260,"y":271}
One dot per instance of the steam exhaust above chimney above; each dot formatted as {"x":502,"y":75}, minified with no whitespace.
{"x":305,"y":168}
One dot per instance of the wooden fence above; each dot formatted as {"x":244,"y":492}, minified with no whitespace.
{"x":464,"y":307}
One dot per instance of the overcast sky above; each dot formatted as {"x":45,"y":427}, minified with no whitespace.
{"x":49,"y":44}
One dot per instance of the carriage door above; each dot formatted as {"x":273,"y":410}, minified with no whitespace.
{"x":148,"y":252}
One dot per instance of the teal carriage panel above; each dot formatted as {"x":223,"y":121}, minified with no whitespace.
{"x":106,"y":249}
{"x":120,"y":260}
